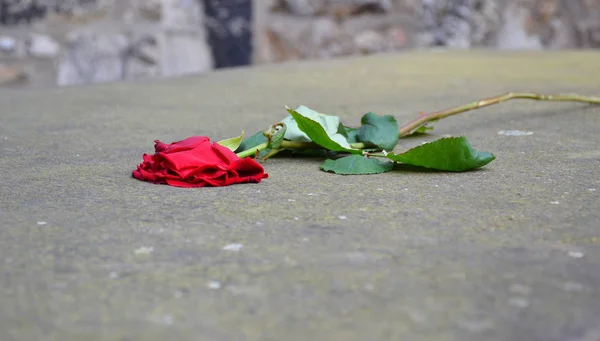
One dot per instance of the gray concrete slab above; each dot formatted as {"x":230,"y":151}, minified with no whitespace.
{"x":509,"y":252}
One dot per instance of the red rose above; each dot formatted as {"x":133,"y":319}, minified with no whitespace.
{"x":196,"y":162}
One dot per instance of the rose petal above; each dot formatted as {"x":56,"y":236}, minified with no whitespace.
{"x":196,"y":162}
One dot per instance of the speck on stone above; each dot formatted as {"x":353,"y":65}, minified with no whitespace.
{"x":214,"y":285}
{"x":168,"y":319}
{"x":144,"y":250}
{"x":42,"y":223}
{"x":518,"y":302}
{"x":113,"y":275}
{"x":296,"y":218}
{"x":233,"y":247}
{"x":515,"y":133}
{"x":343,"y":217}
{"x":576,"y":254}
{"x":554,"y":202}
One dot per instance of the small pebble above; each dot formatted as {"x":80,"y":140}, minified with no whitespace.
{"x":575,"y":254}
{"x":214,"y":285}
{"x":515,"y":133}
{"x":380,"y":189}
{"x":42,"y":223}
{"x":233,"y":247}
{"x":259,"y":223}
{"x":518,"y":302}
{"x":311,"y":194}
{"x":144,"y":250}
{"x":296,"y":218}
{"x":554,"y":202}
{"x":168,"y":319}
{"x":113,"y":275}
{"x":291,"y":200}
{"x":342,"y":217}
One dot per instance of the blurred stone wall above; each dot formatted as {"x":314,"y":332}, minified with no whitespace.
{"x":307,"y":29}
{"x":74,"y":42}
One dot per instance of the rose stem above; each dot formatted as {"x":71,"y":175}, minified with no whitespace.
{"x":413,"y":125}
{"x":252,"y":151}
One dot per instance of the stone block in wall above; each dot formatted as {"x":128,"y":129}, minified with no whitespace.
{"x":42,"y":46}
{"x":295,"y":37}
{"x":11,"y":74}
{"x":92,"y":57}
{"x":182,"y":39}
{"x":333,"y":7}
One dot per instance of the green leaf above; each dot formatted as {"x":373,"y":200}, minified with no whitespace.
{"x":453,"y":154}
{"x":357,"y":164}
{"x":381,"y":131}
{"x":316,"y":132}
{"x":232,"y":143}
{"x":252,"y":141}
{"x":331,"y":124}
{"x":275,"y":135}
{"x":352,"y":134}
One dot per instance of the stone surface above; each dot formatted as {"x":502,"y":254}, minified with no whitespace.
{"x":509,"y":252}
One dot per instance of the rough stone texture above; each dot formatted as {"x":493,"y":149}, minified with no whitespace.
{"x":183,"y":39}
{"x":101,"y":41}
{"x":92,"y":57}
{"x":458,"y":24}
{"x":509,"y":252}
{"x":288,"y":30}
